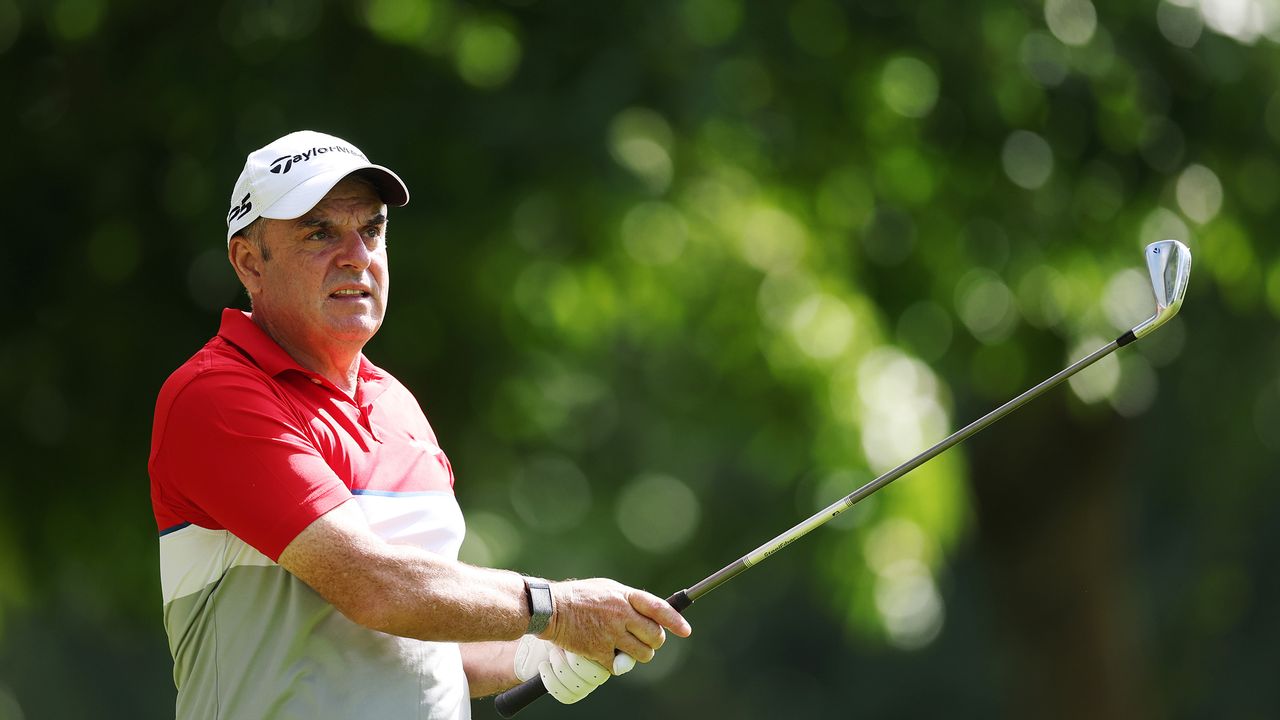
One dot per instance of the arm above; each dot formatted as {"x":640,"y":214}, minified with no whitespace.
{"x":490,"y":667}
{"x":403,"y":590}
{"x":400,"y":589}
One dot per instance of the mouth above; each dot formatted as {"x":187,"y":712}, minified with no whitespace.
{"x":348,"y":293}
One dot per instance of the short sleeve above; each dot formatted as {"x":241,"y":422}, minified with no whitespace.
{"x":234,"y":455}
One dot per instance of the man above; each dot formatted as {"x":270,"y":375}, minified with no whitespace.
{"x":308,"y":528}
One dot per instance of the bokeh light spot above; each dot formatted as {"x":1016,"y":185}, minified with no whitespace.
{"x":1179,"y":24}
{"x":654,"y":233}
{"x":1045,"y":59}
{"x":1027,"y":159}
{"x":900,"y":413}
{"x":781,"y":293}
{"x":491,"y":541}
{"x":1242,"y":20}
{"x":892,"y":541}
{"x":1127,"y":299}
{"x":400,"y":21}
{"x":1071,"y":21}
{"x":909,"y":86}
{"x":906,"y":598}
{"x":822,"y":326}
{"x":640,"y":140}
{"x":657,"y":513}
{"x":1098,"y":381}
{"x":985,"y":305}
{"x":772,"y":239}
{"x":925,"y":328}
{"x":487,"y":53}
{"x":1199,"y":193}
{"x":910,"y":606}
{"x":76,"y":19}
{"x":1161,"y":224}
{"x":550,"y":494}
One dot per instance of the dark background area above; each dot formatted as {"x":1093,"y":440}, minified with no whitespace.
{"x":704,"y":267}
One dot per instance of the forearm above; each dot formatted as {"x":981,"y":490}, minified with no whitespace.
{"x":413,"y":593}
{"x":404,"y":590}
{"x":490,"y":667}
{"x":401,"y":589}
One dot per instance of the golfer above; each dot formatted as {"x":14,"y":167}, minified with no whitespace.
{"x":309,"y":532}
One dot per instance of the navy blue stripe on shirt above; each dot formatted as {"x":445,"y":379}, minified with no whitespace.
{"x":175,"y":528}
{"x":390,"y":493}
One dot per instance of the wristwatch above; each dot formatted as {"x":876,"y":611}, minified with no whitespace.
{"x":541,"y":605}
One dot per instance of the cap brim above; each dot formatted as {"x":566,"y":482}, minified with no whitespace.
{"x":308,"y":193}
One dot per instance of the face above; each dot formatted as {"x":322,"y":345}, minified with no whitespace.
{"x":323,"y":288}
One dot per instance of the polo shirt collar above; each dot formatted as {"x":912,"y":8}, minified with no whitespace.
{"x":373,"y":381}
{"x":239,"y":329}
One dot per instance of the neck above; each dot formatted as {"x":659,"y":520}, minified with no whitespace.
{"x":338,"y":363}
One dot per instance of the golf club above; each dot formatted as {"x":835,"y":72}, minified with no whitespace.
{"x":1169,"y":263}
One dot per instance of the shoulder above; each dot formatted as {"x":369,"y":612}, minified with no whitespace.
{"x":217,"y":392}
{"x":217,"y":370}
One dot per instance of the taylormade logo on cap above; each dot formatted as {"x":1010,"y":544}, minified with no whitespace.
{"x":284,"y":163}
{"x":286,"y":178}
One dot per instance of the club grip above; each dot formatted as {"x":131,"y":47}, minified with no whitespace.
{"x":518,"y":698}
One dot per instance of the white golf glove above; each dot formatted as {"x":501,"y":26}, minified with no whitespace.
{"x":567,"y":677}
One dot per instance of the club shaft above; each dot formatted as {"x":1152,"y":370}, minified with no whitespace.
{"x":510,"y":702}
{"x":1169,"y":262}
{"x":831,"y":511}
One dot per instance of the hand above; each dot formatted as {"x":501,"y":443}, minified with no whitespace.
{"x":568,"y":677}
{"x":595,"y":618}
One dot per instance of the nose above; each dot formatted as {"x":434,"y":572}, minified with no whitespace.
{"x":353,"y":252}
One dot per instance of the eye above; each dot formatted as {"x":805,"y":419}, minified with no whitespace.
{"x":318,"y":235}
{"x":373,"y":231}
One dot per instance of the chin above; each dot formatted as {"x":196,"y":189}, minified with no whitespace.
{"x":355,"y":329}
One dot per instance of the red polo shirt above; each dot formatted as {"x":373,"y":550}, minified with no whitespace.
{"x":247,"y":440}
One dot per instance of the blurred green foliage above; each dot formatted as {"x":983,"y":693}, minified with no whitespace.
{"x":711,"y":265}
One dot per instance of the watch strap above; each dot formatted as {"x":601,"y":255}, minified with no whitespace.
{"x":541,"y":605}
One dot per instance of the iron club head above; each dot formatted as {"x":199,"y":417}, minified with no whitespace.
{"x":1169,"y":263}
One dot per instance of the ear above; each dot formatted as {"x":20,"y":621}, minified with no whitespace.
{"x":247,"y":261}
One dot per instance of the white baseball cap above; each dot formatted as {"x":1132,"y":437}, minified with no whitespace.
{"x":286,"y":178}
